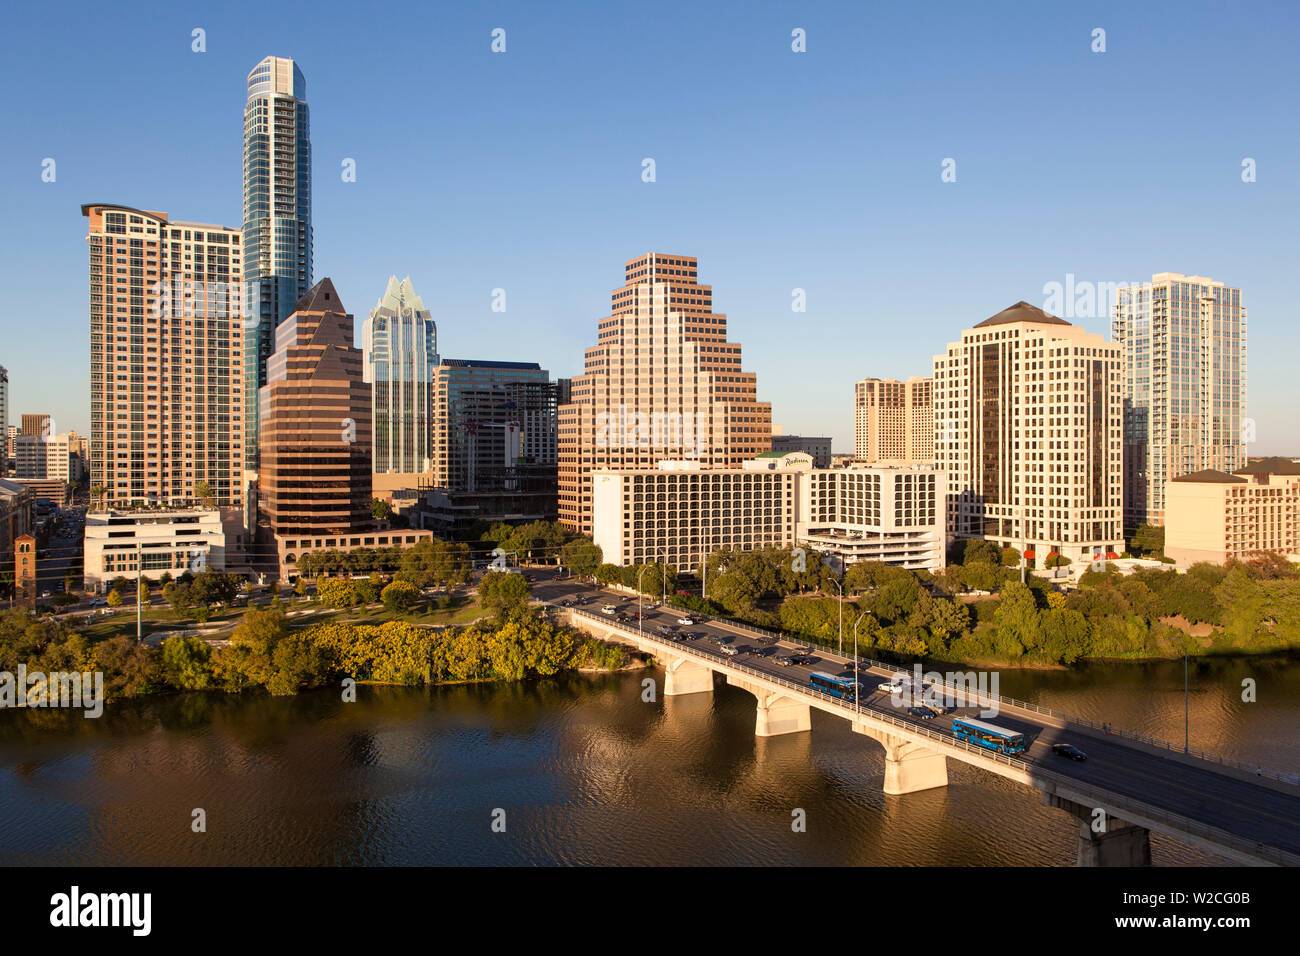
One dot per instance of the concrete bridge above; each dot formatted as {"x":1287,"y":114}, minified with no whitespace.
{"x":1128,"y":787}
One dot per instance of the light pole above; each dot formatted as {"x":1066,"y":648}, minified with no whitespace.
{"x":139,"y":579}
{"x":638,"y":600}
{"x":1186,"y":702}
{"x":840,"y":587}
{"x":857,"y":687}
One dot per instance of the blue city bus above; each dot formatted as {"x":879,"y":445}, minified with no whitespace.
{"x":841,"y":687}
{"x":989,"y":736}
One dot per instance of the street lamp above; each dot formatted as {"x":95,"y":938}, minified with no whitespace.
{"x":840,"y":587}
{"x":857,"y":687}
{"x":638,"y":600}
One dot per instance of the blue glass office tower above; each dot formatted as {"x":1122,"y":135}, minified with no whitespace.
{"x":277,"y":218}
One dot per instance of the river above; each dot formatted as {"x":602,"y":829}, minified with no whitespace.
{"x":583,"y":770}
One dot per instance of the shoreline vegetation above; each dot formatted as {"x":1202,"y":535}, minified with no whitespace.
{"x":384,"y":627}
{"x":511,"y":641}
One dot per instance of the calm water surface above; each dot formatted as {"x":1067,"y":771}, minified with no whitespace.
{"x":586,"y":774}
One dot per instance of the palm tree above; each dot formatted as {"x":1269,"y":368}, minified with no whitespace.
{"x":97,"y":492}
{"x":203,"y":491}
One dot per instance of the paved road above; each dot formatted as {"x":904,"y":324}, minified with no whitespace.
{"x":1199,"y":792}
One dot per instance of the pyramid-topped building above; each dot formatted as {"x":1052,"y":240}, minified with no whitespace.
{"x":315,"y":426}
{"x":662,"y":382}
{"x":400,"y":340}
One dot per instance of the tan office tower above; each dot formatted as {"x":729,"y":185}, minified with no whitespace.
{"x":662,"y":382}
{"x":1028,"y":421}
{"x":1184,"y":346}
{"x":314,"y":423}
{"x":893,"y":421}
{"x":166,"y":365}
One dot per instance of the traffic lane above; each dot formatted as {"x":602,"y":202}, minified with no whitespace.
{"x":1253,"y":812}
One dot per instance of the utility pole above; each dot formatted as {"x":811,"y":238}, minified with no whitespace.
{"x":139,"y":580}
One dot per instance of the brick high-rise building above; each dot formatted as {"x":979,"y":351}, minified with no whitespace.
{"x":166,"y":365}
{"x":314,"y":423}
{"x":892,"y":420}
{"x":661,"y":382}
{"x":1184,"y":348}
{"x":1028,"y":423}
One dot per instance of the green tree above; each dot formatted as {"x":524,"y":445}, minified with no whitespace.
{"x":400,"y":596}
{"x":502,"y":592}
{"x":186,"y":663}
{"x":581,"y":556}
{"x":114,"y":599}
{"x":380,"y":510}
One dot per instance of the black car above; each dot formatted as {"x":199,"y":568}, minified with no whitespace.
{"x":1069,"y":751}
{"x":923,"y":713}
{"x":801,"y":659}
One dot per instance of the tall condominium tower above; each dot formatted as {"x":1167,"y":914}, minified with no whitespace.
{"x":277,"y":217}
{"x":892,"y":420}
{"x":400,"y":341}
{"x":661,"y":382}
{"x":1027,"y":424}
{"x":166,"y":362}
{"x":4,"y":417}
{"x":1183,"y":339}
{"x":315,"y":423}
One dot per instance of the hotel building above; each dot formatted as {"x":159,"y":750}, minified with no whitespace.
{"x":892,"y":420}
{"x":680,"y":512}
{"x":1027,"y":423}
{"x":166,"y":366}
{"x":818,"y":447}
{"x":1183,"y":343}
{"x":661,"y":382}
{"x":1218,"y":517}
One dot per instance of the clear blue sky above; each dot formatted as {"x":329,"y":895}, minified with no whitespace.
{"x":778,"y":170}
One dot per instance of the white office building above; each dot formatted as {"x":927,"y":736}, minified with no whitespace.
{"x":174,"y":541}
{"x":680,"y":512}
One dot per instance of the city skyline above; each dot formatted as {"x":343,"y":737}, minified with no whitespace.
{"x":759,"y":253}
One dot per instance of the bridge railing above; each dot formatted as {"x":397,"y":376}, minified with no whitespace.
{"x":1260,"y":771}
{"x":1173,"y":820}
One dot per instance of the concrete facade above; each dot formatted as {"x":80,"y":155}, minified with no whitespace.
{"x":152,"y":543}
{"x":662,"y":382}
{"x":166,"y":364}
{"x":1028,"y":426}
{"x":1218,"y":517}
{"x":681,"y":513}
{"x":893,"y":421}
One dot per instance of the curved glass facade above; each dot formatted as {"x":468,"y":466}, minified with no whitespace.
{"x":277,"y":217}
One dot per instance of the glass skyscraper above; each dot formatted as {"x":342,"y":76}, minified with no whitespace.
{"x":277,"y":218}
{"x":401,"y":353}
{"x":1184,"y":347}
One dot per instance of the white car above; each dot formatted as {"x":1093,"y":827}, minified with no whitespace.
{"x":608,"y":609}
{"x":890,"y":687}
{"x":685,"y":621}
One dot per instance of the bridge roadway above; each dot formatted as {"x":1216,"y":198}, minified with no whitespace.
{"x":1228,"y":811}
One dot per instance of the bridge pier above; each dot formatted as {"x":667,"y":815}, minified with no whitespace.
{"x":685,"y":675}
{"x":909,"y":767}
{"x":777,"y":714}
{"x":1120,"y":844}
